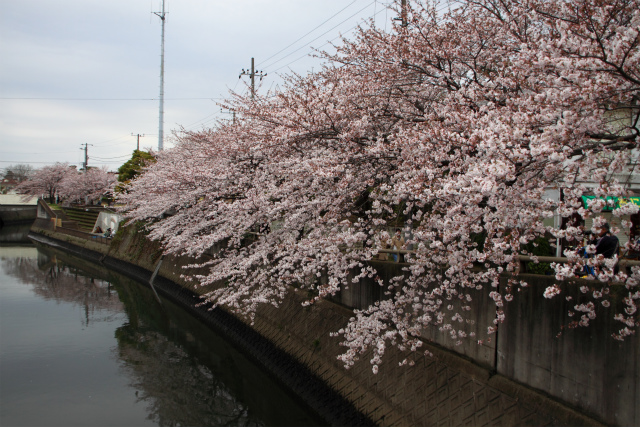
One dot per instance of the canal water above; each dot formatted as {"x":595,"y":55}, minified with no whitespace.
{"x":81,"y":345}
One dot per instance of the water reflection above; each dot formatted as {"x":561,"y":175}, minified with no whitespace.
{"x":51,"y":279}
{"x":167,"y":368}
{"x":15,"y":233}
{"x":174,"y":385}
{"x":184,"y":370}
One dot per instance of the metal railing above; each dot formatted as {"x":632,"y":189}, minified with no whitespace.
{"x":84,"y":235}
{"x":624,"y":265}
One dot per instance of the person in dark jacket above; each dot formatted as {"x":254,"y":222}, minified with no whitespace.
{"x":608,"y":244}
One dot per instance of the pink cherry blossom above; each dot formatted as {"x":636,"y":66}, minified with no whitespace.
{"x":46,"y":181}
{"x":450,"y":128}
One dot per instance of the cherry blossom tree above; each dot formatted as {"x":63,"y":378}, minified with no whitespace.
{"x":19,"y":172}
{"x":453,"y":125}
{"x":92,"y":184}
{"x":45,"y":181}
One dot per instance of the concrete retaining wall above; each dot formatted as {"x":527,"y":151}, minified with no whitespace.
{"x":12,"y":214}
{"x":445,"y":389}
{"x":584,"y":367}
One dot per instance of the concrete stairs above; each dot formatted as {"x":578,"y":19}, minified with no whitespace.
{"x":84,"y":218}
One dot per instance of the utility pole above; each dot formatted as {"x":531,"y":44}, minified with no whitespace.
{"x":162,"y":16}
{"x":253,"y":73}
{"x":86,"y":157}
{"x":233,"y":114}
{"x":138,"y":144}
{"x":403,"y":14}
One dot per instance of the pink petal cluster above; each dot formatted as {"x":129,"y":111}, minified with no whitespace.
{"x":68,"y":183}
{"x":452,"y":126}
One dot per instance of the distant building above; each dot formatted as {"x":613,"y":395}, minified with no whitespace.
{"x":8,"y":183}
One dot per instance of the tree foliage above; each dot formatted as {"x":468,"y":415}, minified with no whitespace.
{"x":133,"y":167}
{"x":458,"y":122}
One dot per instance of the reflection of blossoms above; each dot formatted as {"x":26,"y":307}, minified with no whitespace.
{"x":156,"y":364}
{"x":52,"y":278}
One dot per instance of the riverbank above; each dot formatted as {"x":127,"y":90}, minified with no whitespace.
{"x":293,"y":343}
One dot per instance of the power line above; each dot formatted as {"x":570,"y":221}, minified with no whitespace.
{"x":43,"y":152}
{"x":445,"y":6}
{"x":333,"y":16}
{"x":204,"y":120}
{"x":323,"y":34}
{"x":98,"y":99}
{"x":212,"y":117}
{"x":347,"y":32}
{"x":23,"y":162}
{"x":111,"y":158}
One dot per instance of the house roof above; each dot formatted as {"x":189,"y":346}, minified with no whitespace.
{"x":18,"y":199}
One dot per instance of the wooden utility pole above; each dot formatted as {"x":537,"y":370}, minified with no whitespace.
{"x":403,"y":14}
{"x":138,"y":144}
{"x":253,"y":73}
{"x":233,"y":113}
{"x":86,"y":157}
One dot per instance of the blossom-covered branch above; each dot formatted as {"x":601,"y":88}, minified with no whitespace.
{"x":452,"y":126}
{"x":91,"y":184}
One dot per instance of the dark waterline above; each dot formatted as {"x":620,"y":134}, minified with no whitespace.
{"x":80,"y":345}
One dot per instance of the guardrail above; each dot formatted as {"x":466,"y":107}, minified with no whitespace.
{"x":623,"y":264}
{"x":84,"y":235}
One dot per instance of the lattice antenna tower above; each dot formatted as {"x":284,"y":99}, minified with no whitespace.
{"x":162,"y":16}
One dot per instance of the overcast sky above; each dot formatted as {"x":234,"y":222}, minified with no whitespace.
{"x":75,"y":72}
